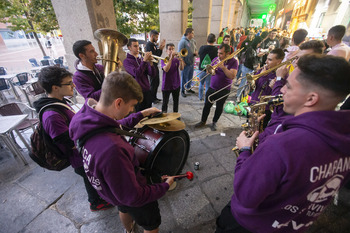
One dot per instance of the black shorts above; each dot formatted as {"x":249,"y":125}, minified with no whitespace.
{"x":226,"y":223}
{"x":147,"y":216}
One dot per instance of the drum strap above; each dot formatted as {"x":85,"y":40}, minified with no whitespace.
{"x":81,"y":141}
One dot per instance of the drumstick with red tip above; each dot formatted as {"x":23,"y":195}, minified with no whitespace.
{"x":188,"y":175}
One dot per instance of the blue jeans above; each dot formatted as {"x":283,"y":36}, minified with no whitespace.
{"x":201,"y":84}
{"x":241,"y":87}
{"x":186,"y":75}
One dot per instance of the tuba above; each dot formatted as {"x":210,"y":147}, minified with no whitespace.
{"x":111,"y":40}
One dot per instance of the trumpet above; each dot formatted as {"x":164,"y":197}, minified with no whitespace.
{"x":251,"y":79}
{"x":155,"y":58}
{"x":211,"y":69}
{"x":183,"y":53}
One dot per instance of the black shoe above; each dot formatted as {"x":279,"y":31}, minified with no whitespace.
{"x":213,"y":126}
{"x":102,"y":205}
{"x":199,"y":124}
{"x":191,"y":91}
{"x":183,"y":94}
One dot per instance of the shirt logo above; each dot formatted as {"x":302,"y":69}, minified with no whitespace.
{"x":206,"y":61}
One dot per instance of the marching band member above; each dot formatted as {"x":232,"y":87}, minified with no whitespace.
{"x":152,"y":46}
{"x":224,"y":75}
{"x":89,"y":76}
{"x":262,"y":87}
{"x":171,"y":78}
{"x":304,"y":165}
{"x":139,"y":68}
{"x":109,"y":160}
{"x":278,"y":115}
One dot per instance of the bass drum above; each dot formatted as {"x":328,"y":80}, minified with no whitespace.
{"x":162,"y":153}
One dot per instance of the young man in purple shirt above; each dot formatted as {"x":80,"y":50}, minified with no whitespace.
{"x":171,"y":78}
{"x":223,"y":77}
{"x":57,"y":83}
{"x":110,"y":161}
{"x":289,"y":179}
{"x":278,"y":115}
{"x":140,"y":68}
{"x":89,"y":76}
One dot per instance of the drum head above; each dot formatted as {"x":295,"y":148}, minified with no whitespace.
{"x":169,"y":156}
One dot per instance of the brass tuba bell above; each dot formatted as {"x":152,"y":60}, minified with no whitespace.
{"x":111,"y":40}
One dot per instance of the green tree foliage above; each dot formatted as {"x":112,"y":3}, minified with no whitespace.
{"x":136,"y":16}
{"x":29,"y":16}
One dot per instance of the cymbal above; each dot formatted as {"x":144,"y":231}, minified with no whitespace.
{"x":174,"y":125}
{"x":164,"y":118}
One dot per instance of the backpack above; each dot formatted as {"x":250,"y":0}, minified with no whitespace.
{"x":43,"y":151}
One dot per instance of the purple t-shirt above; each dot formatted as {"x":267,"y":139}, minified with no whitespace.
{"x":219,"y":80}
{"x":171,"y":79}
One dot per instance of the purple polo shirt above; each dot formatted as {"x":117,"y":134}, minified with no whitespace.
{"x":262,"y":86}
{"x":171,"y":79}
{"x":219,"y":80}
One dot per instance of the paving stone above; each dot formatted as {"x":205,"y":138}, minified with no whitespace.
{"x":168,"y":222}
{"x":197,"y":147}
{"x":226,"y":157}
{"x":109,"y":224}
{"x":208,"y":166}
{"x":74,"y":204}
{"x":217,"y":141}
{"x":191,"y":208}
{"x":208,"y":227}
{"x":18,"y":208}
{"x":52,"y":183}
{"x":51,"y":221}
{"x":219,"y":191}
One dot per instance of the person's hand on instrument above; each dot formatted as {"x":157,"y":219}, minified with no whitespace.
{"x":169,"y":180}
{"x":150,"y":111}
{"x":221,"y":65}
{"x":243,"y":141}
{"x":147,"y":57}
{"x":282,"y":71}
{"x":272,"y":83}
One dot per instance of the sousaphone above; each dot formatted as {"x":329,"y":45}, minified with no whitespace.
{"x":111,"y":40}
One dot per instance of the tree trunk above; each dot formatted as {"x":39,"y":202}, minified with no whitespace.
{"x":37,"y":39}
{"x":34,"y":32}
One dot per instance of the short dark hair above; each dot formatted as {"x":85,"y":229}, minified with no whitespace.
{"x":329,"y":72}
{"x":168,"y":45}
{"x":79,"y":47}
{"x":130,"y":41}
{"x":188,"y":31}
{"x":226,"y":36}
{"x":120,"y":85}
{"x":337,"y":31}
{"x":226,"y":47}
{"x":52,"y":75}
{"x":211,"y":38}
{"x":274,"y":30}
{"x":279,"y":52}
{"x":316,"y":45}
{"x":154,"y":32}
{"x":299,"y":36}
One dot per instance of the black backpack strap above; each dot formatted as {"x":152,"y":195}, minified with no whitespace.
{"x":81,"y":141}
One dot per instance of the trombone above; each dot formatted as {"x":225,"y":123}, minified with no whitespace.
{"x":251,"y":79}
{"x":211,"y":69}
